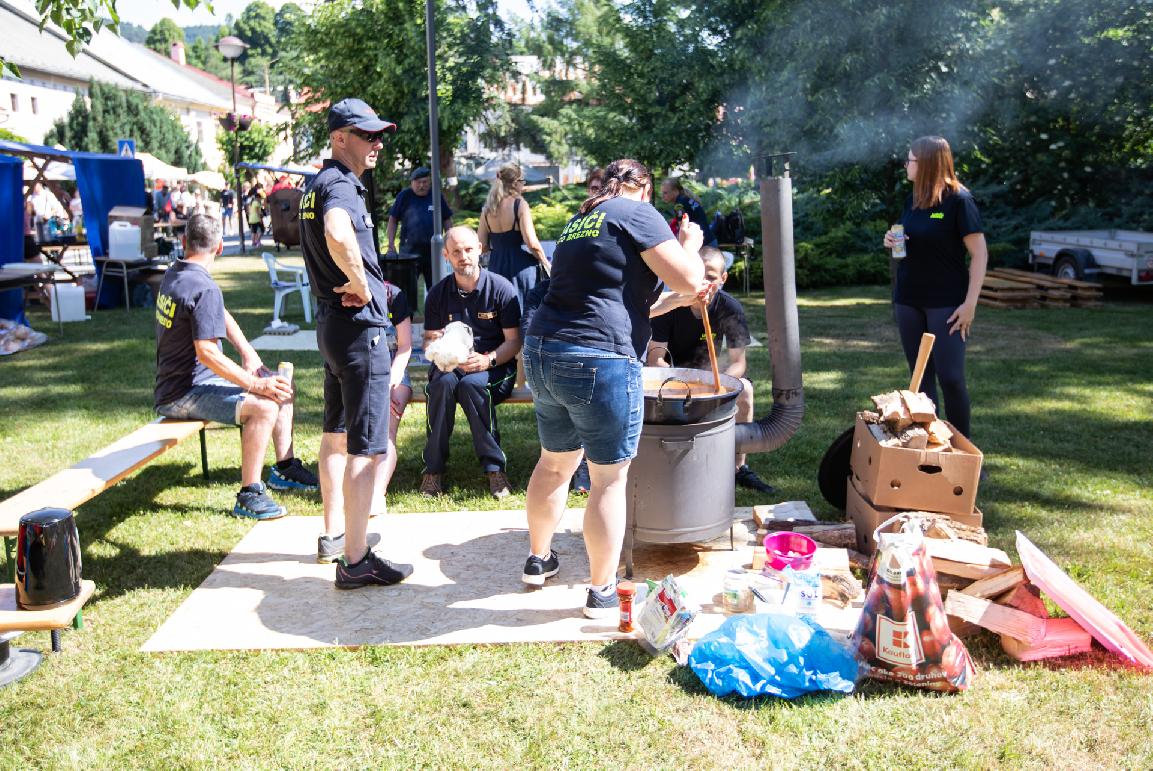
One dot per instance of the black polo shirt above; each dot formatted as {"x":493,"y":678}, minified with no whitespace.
{"x":684,"y":333}
{"x":934,"y":274}
{"x":601,"y":288}
{"x":489,"y":309}
{"x":336,"y":187}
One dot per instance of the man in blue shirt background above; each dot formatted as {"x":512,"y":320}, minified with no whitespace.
{"x":412,"y":209}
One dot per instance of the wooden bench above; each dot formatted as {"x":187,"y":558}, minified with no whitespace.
{"x":83,"y":481}
{"x":14,"y":621}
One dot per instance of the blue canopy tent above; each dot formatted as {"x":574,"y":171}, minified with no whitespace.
{"x":12,"y":231}
{"x":105,"y":181}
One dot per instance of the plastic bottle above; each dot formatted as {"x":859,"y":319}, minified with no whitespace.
{"x":626,"y":591}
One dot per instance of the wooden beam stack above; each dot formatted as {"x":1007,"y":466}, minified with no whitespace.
{"x":1051,"y":292}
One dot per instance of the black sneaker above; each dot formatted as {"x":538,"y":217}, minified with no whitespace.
{"x":746,"y":477}
{"x":599,"y":605}
{"x":330,"y":549}
{"x":294,"y":477}
{"x":373,"y":570}
{"x":537,"y":570}
{"x":252,"y":502}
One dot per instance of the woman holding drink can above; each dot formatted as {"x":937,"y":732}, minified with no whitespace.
{"x":935,"y":292}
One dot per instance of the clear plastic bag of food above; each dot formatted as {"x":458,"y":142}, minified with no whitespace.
{"x":665,"y":616}
{"x":903,"y":635}
{"x":452,"y":348}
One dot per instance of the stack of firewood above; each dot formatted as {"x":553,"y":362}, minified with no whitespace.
{"x":908,"y":419}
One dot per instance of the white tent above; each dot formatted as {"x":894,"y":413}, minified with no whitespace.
{"x":55,"y":171}
{"x":154,"y":168}
{"x":213,"y":180}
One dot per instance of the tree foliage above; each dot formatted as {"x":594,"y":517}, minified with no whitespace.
{"x":116,"y":114}
{"x":256,"y":145}
{"x":375,"y":50}
{"x":162,"y":35}
{"x":257,"y":27}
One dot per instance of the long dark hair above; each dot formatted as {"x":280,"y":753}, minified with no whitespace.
{"x":935,"y":175}
{"x":619,"y":174}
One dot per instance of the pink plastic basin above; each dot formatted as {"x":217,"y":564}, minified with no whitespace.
{"x":784,"y":549}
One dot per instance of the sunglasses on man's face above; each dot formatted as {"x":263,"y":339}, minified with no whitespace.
{"x":371,"y":137}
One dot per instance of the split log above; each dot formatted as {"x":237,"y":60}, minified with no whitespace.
{"x":939,"y":432}
{"x":914,"y":438}
{"x":840,"y":589}
{"x":843,"y":536}
{"x":995,"y":618}
{"x":893,"y":410}
{"x":921,"y":408}
{"x":999,"y":584}
{"x":883,"y":436}
{"x":1063,"y":637}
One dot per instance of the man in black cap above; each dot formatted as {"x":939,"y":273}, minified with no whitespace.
{"x":336,"y":237}
{"x":413,"y":210}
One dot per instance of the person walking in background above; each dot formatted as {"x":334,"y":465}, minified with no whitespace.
{"x":412,"y":211}
{"x":583,"y":360}
{"x":254,"y":211}
{"x":935,"y":292}
{"x":227,"y":208}
{"x":673,"y":192}
{"x":506,"y":228}
{"x":336,"y":236}
{"x":76,"y":209}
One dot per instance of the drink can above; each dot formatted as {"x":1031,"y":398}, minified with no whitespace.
{"x":898,"y":232}
{"x":284,"y":369}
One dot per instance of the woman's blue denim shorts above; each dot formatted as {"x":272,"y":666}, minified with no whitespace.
{"x":585,"y":397}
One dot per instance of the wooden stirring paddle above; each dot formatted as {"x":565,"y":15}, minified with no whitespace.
{"x":712,"y":347}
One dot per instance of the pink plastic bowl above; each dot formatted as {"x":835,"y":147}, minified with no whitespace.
{"x":784,"y":549}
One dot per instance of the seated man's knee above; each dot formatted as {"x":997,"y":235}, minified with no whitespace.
{"x":746,"y":395}
{"x":259,"y":409}
{"x":445,"y":383}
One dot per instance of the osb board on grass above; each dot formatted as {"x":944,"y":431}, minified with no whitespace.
{"x":269,"y":592}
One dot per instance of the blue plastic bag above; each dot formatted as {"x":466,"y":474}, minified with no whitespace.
{"x":773,"y":654}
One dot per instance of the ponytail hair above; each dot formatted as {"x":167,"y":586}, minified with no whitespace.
{"x":625,"y":173}
{"x":502,"y":185}
{"x":935,"y":175}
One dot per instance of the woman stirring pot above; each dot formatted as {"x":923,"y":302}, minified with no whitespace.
{"x":583,"y":359}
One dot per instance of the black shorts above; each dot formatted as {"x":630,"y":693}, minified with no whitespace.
{"x":356,"y":387}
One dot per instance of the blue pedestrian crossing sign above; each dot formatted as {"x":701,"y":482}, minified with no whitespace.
{"x":126,"y":148}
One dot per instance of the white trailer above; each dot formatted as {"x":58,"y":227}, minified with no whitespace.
{"x":1094,"y":254}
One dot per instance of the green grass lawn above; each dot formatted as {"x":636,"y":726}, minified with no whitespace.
{"x":1062,"y":407}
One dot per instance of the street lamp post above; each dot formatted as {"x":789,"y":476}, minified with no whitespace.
{"x":232,"y":48}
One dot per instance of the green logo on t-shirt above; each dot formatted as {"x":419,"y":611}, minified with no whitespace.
{"x":588,"y":226}
{"x":940,"y":215}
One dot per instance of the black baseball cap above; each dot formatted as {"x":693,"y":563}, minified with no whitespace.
{"x":420,"y":172}
{"x":355,"y":112}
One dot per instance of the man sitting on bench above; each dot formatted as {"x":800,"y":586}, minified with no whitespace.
{"x":488,"y":304}
{"x":195,"y":380}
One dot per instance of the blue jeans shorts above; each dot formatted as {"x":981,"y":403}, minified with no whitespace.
{"x":214,"y":399}
{"x":585,"y":397}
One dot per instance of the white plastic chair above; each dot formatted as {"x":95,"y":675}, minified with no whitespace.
{"x":285,"y":280}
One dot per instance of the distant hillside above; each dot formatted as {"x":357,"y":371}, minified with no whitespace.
{"x":133,"y":32}
{"x":199,"y":31}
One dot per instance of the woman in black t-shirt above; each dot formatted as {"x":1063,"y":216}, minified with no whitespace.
{"x":935,"y":292}
{"x":583,"y":361}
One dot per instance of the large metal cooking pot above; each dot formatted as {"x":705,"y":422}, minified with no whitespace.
{"x":678,"y":395}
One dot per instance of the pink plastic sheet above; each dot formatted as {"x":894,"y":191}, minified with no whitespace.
{"x":1096,"y":619}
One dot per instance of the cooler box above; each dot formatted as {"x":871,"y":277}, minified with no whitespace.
{"x":901,"y":478}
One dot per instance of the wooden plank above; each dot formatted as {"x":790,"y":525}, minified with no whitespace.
{"x":1063,"y":637}
{"x":85,"y":480}
{"x":1025,"y":598}
{"x":965,"y":570}
{"x":13,"y":619}
{"x":1023,"y":275}
{"x":783,"y":516}
{"x":999,"y":584}
{"x":957,"y":550}
{"x":995,"y":618}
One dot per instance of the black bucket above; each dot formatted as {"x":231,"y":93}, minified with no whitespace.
{"x":47,"y":559}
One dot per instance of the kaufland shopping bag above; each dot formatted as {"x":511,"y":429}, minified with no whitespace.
{"x":903,"y":635}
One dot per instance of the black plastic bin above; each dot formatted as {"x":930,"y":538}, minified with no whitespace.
{"x":402,"y":270}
